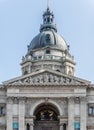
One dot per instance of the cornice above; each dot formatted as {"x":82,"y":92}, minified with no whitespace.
{"x":2,"y":87}
{"x":45,"y":85}
{"x":91,"y":86}
{"x":52,"y":48}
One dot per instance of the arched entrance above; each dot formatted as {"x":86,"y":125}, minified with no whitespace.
{"x":46,"y":117}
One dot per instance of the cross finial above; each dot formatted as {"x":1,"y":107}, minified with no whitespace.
{"x":48,"y":3}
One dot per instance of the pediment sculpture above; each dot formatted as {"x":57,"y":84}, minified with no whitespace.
{"x":47,"y":78}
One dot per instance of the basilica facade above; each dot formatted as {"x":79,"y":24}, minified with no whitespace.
{"x":47,"y":96}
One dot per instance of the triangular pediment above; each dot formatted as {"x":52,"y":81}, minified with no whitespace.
{"x":46,"y":77}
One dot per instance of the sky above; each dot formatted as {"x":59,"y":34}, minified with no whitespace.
{"x":20,"y":21}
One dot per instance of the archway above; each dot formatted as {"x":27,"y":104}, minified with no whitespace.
{"x":46,"y":117}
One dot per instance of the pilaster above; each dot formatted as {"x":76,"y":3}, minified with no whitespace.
{"x":21,"y":114}
{"x":9,"y":114}
{"x":83,"y":113}
{"x":71,"y":113}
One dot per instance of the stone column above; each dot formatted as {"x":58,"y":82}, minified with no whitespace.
{"x":32,"y":123}
{"x":71,"y":113}
{"x":61,"y":124}
{"x":25,"y":126}
{"x":21,"y":114}
{"x":9,"y":114}
{"x":83,"y":113}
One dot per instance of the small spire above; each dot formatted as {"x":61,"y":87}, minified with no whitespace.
{"x":48,"y":4}
{"x":48,"y":19}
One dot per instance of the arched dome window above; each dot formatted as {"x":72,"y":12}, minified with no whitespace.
{"x":47,"y":51}
{"x":48,"y":38}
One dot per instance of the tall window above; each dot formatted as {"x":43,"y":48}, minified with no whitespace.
{"x":91,"y":110}
{"x":2,"y":110}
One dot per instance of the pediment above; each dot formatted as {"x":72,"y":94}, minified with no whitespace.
{"x":46,"y":77}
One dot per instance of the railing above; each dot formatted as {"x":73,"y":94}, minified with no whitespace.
{"x":47,"y":57}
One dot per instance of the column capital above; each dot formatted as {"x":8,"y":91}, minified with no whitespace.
{"x":15,"y":100}
{"x":77,"y":100}
{"x":83,"y":113}
{"x":71,"y":99}
{"x":22,"y":100}
{"x":10,"y":100}
{"x":83,"y":99}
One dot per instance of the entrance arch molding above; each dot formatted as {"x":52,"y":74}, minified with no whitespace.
{"x":53,"y":103}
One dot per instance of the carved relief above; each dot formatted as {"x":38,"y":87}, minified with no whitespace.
{"x":48,"y":78}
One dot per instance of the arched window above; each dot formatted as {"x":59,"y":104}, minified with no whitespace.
{"x":48,"y":38}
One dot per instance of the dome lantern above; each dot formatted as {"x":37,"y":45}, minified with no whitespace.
{"x":48,"y":21}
